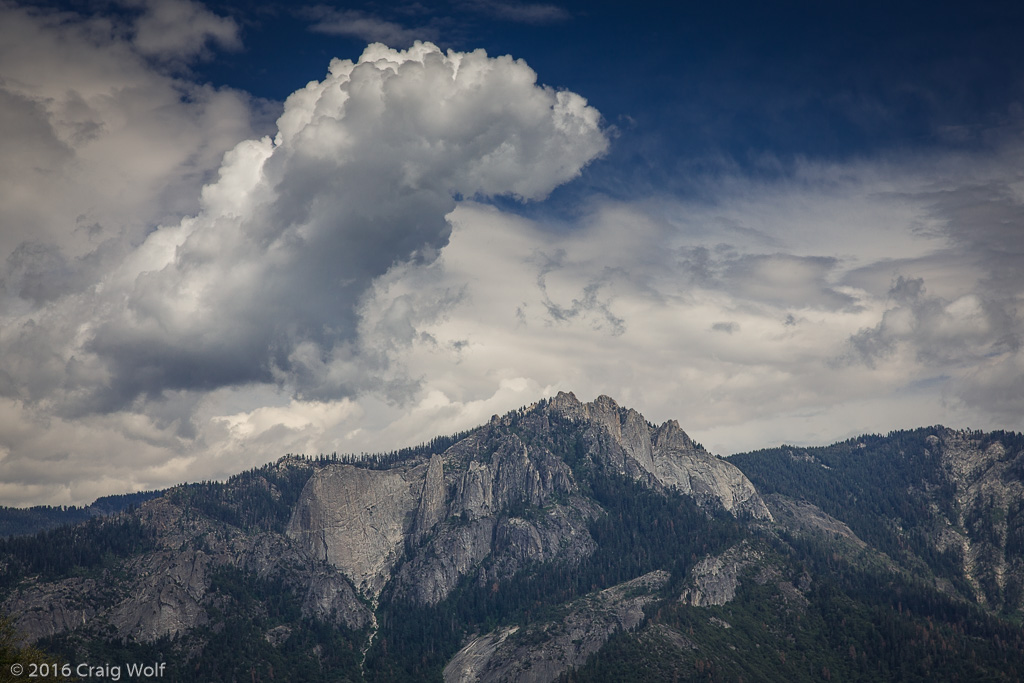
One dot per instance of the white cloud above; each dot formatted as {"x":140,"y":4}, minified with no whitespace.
{"x":262,"y":284}
{"x":365,"y":26}
{"x":180,"y":29}
{"x":653,"y":304}
{"x":101,"y":146}
{"x":104,"y":148}
{"x":807,"y":278}
{"x":123,"y":328}
{"x":172,"y":312}
{"x":521,"y":12}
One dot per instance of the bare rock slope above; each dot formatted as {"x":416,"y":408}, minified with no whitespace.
{"x":545,"y":651}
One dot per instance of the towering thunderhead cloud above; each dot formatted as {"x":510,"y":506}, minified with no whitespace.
{"x":262,"y":284}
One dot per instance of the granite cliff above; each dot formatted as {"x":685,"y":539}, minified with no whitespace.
{"x":463,"y":506}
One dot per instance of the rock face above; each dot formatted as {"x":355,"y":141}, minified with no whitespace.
{"x":165,"y":592}
{"x":53,"y":609}
{"x":330,"y":598}
{"x":361,"y":521}
{"x":164,"y":599}
{"x":510,"y":543}
{"x":544,"y":652}
{"x":715,"y":579}
{"x":627,"y":427}
{"x":494,"y":470}
{"x":492,"y":504}
{"x":170,"y":603}
{"x":357,"y":519}
{"x":665,"y":454}
{"x":987,"y":520}
{"x":455,"y":510}
{"x":431,"y":509}
{"x":803,"y":517}
{"x":680,"y":464}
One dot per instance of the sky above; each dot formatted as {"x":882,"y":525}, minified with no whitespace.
{"x":231,"y":231}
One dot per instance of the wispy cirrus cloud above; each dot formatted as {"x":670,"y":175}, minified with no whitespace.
{"x":520,"y":12}
{"x":366,"y":26}
{"x":180,"y":29}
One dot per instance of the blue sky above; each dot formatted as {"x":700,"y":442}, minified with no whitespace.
{"x":817,"y":79}
{"x":233,"y":231}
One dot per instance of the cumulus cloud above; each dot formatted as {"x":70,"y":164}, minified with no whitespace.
{"x":940,"y":332}
{"x":99,"y":149}
{"x":262,"y":285}
{"x":98,"y":145}
{"x":112,"y":319}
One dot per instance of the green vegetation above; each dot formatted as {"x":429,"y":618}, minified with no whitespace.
{"x":860,"y":481}
{"x":72,"y":550}
{"x":848,"y":625}
{"x":255,"y":633}
{"x":28,"y":521}
{"x":890,"y":490}
{"x":33,"y":660}
{"x":640,"y":531}
{"x":258,"y":500}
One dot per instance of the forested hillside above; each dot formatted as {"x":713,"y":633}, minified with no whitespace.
{"x":26,"y":521}
{"x":947,"y":502}
{"x":563,"y":541}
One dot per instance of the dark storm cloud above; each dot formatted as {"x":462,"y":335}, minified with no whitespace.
{"x":39,"y":272}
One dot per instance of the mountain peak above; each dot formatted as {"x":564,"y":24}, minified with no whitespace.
{"x":568,"y":406}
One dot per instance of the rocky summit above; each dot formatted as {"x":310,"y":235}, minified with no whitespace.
{"x":562,"y":541}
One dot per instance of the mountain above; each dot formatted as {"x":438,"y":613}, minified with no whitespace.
{"x":562,"y":541}
{"x":950,"y":503}
{"x":26,"y":521}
